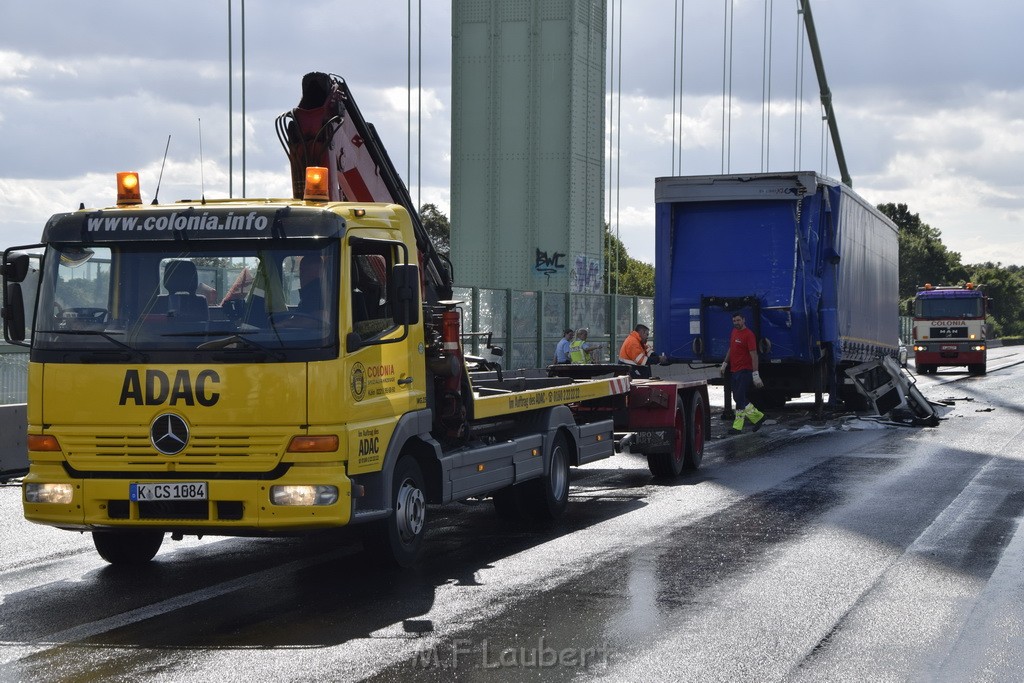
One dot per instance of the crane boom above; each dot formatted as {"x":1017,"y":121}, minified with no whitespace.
{"x":327,"y":129}
{"x":826,"y":94}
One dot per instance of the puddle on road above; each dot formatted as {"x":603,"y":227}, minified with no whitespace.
{"x":619,"y":609}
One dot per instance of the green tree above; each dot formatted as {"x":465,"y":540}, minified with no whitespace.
{"x":923,"y":256}
{"x":438,"y":227}
{"x":1005,"y":288}
{"x":625,"y":274}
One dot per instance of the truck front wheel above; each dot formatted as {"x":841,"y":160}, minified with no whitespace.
{"x":396,"y":541}
{"x":546,"y":498}
{"x":127,"y":547}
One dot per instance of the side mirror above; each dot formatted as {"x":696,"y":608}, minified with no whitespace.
{"x":14,"y":313}
{"x":404,"y":292}
{"x":353,"y":342}
{"x":15,"y":267}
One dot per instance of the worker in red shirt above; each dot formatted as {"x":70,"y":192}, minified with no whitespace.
{"x":742,"y":358}
{"x":636,"y":352}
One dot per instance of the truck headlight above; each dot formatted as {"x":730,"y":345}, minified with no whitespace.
{"x":304,"y":495}
{"x":49,"y":493}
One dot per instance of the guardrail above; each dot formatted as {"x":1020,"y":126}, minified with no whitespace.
{"x":13,"y":374}
{"x":13,"y":419}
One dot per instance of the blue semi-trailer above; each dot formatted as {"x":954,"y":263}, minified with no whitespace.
{"x":813,"y":267}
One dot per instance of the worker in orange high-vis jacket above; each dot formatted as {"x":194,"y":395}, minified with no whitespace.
{"x":635,"y":351}
{"x":742,"y":359}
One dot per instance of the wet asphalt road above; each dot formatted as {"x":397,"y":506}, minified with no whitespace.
{"x":839,"y":550}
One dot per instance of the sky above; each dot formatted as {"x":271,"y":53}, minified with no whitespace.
{"x":928,"y":96}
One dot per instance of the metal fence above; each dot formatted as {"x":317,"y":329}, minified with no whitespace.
{"x":13,"y":374}
{"x":526,"y":325}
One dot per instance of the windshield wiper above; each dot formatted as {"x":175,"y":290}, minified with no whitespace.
{"x":242,"y":345}
{"x":134,"y":353}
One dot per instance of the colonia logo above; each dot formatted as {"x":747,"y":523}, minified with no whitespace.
{"x":358,"y":381}
{"x":160,"y":388}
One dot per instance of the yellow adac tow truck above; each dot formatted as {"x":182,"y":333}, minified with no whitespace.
{"x":268,"y":366}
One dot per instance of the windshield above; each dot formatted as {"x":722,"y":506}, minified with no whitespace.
{"x":949,"y":308}
{"x":161,"y":302}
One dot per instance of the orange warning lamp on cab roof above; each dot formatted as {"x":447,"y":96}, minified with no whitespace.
{"x":969,"y":285}
{"x":128,"y":188}
{"x":316,"y":184}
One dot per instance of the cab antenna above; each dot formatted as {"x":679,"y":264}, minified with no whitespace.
{"x":202,"y":177}
{"x":160,"y":179}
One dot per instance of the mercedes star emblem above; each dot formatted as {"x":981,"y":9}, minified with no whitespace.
{"x":169,"y":434}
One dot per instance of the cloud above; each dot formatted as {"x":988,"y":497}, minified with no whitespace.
{"x":932,"y":122}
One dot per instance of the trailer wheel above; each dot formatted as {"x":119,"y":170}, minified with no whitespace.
{"x":396,"y":541}
{"x":507,"y":503}
{"x":127,"y":547}
{"x":695,"y":433}
{"x":547,"y":497}
{"x":672,"y":464}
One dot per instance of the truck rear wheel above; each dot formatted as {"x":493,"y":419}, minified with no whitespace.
{"x":127,"y":547}
{"x":977,"y":369}
{"x":546,"y":498}
{"x":695,"y":433}
{"x":672,"y":464}
{"x":396,"y":541}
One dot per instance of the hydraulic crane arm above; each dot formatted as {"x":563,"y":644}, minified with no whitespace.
{"x":327,"y":129}
{"x":826,"y":94}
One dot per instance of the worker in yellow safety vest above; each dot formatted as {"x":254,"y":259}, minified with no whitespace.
{"x":580,"y":350}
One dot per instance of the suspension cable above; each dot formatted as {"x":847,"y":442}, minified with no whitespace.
{"x":408,"y":91}
{"x":677,"y":87}
{"x":824,"y":142}
{"x":798,"y":92}
{"x":682,"y":44}
{"x":675,"y":56}
{"x":766,"y":86}
{"x":727,"y":35}
{"x":419,"y":106}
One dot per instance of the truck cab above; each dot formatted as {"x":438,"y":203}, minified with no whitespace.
{"x":950,"y":327}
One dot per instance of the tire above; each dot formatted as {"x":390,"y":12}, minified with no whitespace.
{"x":925,"y":369}
{"x":127,"y":547}
{"x":397,"y":540}
{"x":671,"y":465}
{"x":977,"y":369}
{"x":695,"y":432}
{"x":508,"y":503}
{"x":546,"y":498}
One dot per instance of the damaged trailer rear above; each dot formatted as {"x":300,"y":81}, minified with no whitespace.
{"x":812,"y":266}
